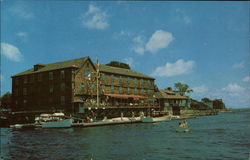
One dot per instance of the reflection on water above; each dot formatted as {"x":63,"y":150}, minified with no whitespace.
{"x":226,"y":136}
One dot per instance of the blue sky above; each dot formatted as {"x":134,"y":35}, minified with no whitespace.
{"x":202,"y":44}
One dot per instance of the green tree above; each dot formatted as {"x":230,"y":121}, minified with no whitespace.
{"x":182,"y":88}
{"x":6,"y":100}
{"x":118,"y":64}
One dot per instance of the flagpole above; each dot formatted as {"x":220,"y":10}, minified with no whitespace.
{"x":97,"y":85}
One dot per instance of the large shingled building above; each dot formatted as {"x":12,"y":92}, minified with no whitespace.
{"x":71,"y":86}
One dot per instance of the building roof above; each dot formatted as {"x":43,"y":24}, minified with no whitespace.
{"x":122,"y":71}
{"x":54,"y":66}
{"x":164,"y":94}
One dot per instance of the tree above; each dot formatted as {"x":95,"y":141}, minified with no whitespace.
{"x":205,"y":99}
{"x":156,"y":89}
{"x":118,"y":64}
{"x":182,"y":88}
{"x":6,"y":100}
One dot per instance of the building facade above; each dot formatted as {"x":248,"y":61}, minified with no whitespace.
{"x":171,"y":101}
{"x":72,"y":86}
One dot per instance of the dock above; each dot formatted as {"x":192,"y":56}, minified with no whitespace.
{"x":104,"y":123}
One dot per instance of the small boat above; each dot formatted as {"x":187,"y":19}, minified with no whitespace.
{"x":157,"y":117}
{"x":56,"y":120}
{"x":182,"y":129}
{"x":23,"y":126}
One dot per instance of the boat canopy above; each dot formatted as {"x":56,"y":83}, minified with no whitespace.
{"x":58,"y":114}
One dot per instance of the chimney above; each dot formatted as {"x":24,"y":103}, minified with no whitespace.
{"x":38,"y":66}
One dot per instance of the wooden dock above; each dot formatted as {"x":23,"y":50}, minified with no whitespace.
{"x":104,"y":123}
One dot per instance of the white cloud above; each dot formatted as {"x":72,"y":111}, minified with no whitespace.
{"x":139,"y":44}
{"x":181,"y":16}
{"x":246,"y":79}
{"x":159,"y":40}
{"x":21,"y":10}
{"x":130,"y":61}
{"x":95,"y":18}
{"x":233,"y":88}
{"x":238,"y":65}
{"x":122,"y":33}
{"x":22,"y":34}
{"x":200,"y":89}
{"x":11,"y":52}
{"x":173,"y":69}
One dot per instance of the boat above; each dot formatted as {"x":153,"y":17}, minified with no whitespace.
{"x":157,"y":117}
{"x":56,"y":120}
{"x":182,"y":129}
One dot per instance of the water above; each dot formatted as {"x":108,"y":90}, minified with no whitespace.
{"x":225,"y":136}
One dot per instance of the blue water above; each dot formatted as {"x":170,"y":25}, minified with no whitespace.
{"x":225,"y":136}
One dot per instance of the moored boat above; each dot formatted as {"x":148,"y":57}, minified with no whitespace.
{"x":157,"y":117}
{"x":56,"y":120}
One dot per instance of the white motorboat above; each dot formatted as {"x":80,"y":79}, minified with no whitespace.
{"x":56,"y":120}
{"x":157,"y":117}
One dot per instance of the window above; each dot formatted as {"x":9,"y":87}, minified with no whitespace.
{"x":62,"y":74}
{"x":51,"y":89}
{"x":142,"y":91}
{"x":103,"y":86}
{"x":103,"y":77}
{"x":24,"y":91}
{"x":25,"y":80}
{"x":112,"y":78}
{"x":40,"y":77}
{"x":83,"y":86}
{"x":148,"y":82}
{"x":24,"y":102}
{"x":148,"y":91}
{"x":32,"y":77}
{"x":136,"y":91}
{"x":50,"y":75}
{"x":120,"y":78}
{"x":120,"y":89}
{"x":92,"y":86}
{"x":136,"y":81}
{"x":62,"y":100}
{"x":128,"y":90}
{"x":62,"y":86}
{"x":142,"y":81}
{"x":128,"y":79}
{"x":87,"y":75}
{"x":112,"y":89}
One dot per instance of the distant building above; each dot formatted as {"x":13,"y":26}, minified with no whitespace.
{"x":71,"y":85}
{"x":171,"y":101}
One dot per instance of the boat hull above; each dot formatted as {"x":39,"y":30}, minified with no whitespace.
{"x":156,"y":119}
{"x":58,"y":124}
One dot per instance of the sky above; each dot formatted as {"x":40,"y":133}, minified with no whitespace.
{"x":202,"y":44}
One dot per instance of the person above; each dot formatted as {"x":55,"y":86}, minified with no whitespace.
{"x":183,"y":124}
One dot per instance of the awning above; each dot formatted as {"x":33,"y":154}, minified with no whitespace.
{"x":78,"y":101}
{"x":126,"y":96}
